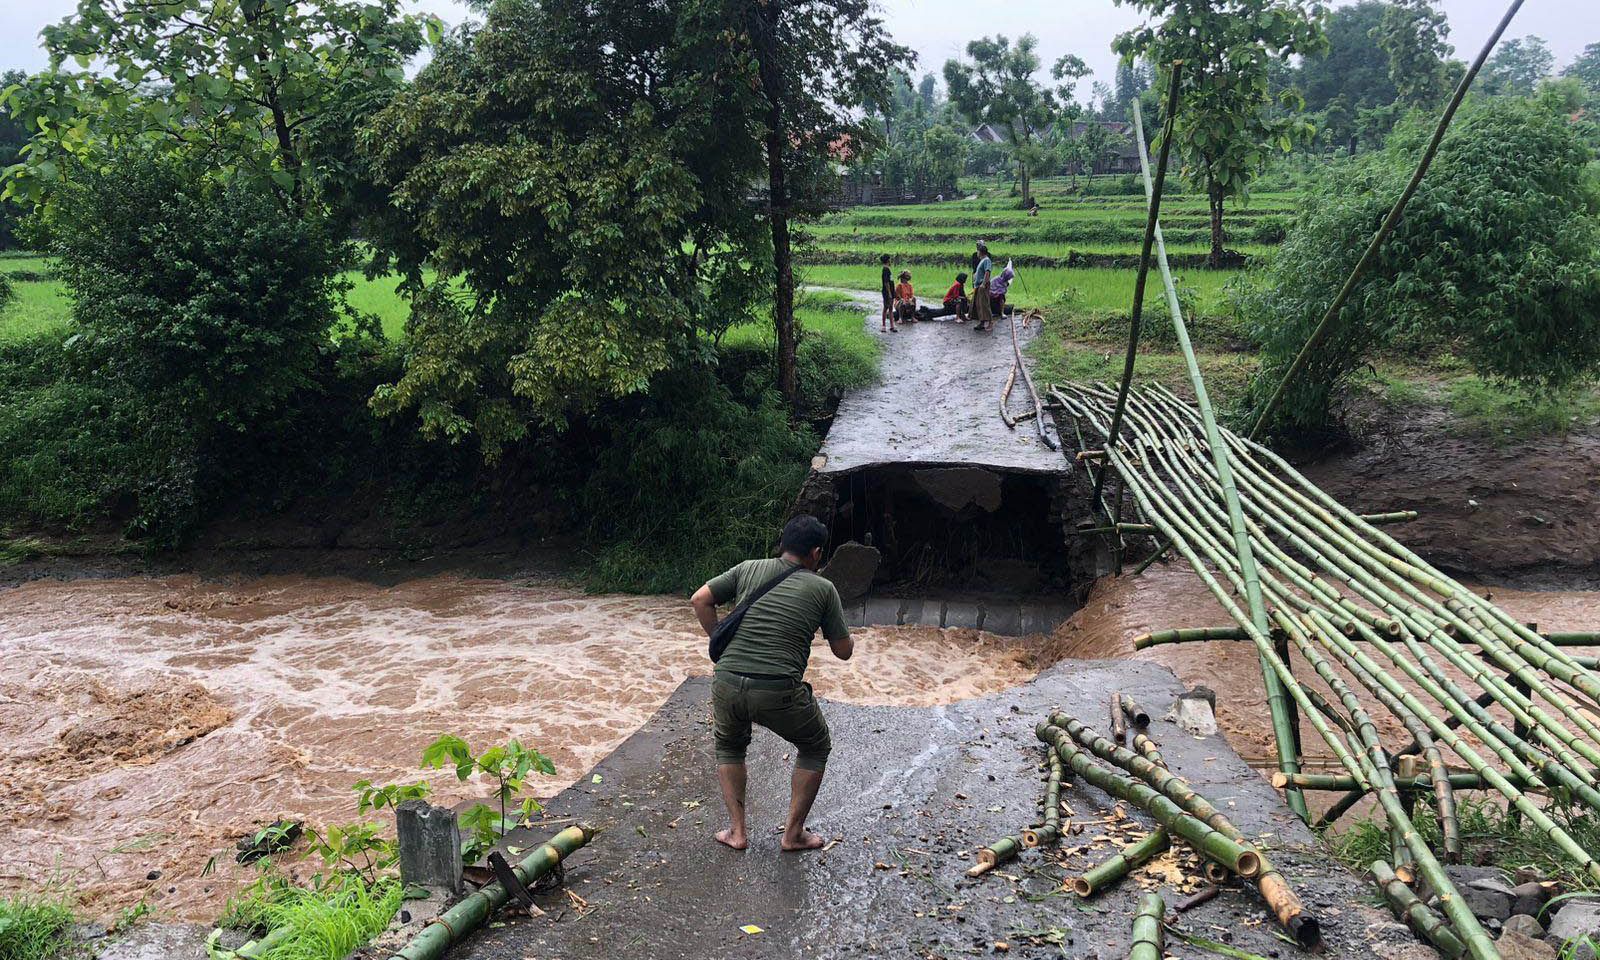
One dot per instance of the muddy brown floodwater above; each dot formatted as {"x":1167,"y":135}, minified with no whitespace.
{"x":147,"y":723}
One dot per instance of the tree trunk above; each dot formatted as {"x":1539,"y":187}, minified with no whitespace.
{"x":764,"y":20}
{"x":1215,"y":197}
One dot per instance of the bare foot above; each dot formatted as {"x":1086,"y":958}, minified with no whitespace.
{"x":807,"y":841}
{"x":729,"y":838}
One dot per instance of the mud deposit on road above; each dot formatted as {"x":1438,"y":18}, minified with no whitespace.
{"x":147,"y":723}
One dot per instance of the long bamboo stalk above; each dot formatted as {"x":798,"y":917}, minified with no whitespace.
{"x":1210,"y":842}
{"x":1050,"y":831}
{"x":1415,"y":914}
{"x":1148,"y":940}
{"x":1277,"y":703}
{"x":475,"y":910}
{"x":1333,"y":782}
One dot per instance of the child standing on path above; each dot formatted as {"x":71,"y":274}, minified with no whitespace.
{"x":887,"y":321}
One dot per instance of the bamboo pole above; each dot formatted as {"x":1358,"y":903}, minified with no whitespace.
{"x":1202,"y":634}
{"x":1152,"y":229}
{"x":1136,"y":714}
{"x":1277,"y":703}
{"x":1119,"y":725}
{"x":1333,"y":782}
{"x":1148,"y":941}
{"x":1050,"y":831}
{"x":1415,"y":914}
{"x":476,"y":909}
{"x":1002,"y":850}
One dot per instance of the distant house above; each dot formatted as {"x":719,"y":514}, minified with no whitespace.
{"x":989,"y":133}
{"x":1122,"y":156}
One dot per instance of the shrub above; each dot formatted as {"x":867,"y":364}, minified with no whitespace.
{"x":693,"y":483}
{"x":7,"y":291}
{"x":210,"y":302}
{"x":1495,"y":255}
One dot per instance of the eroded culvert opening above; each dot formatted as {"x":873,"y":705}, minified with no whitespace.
{"x":952,"y":546}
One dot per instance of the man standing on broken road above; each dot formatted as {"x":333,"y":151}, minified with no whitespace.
{"x":760,"y":674}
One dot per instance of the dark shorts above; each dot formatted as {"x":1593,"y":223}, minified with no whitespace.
{"x":791,"y":713}
{"x":888,"y":299}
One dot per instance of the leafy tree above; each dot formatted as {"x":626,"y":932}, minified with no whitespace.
{"x":1412,"y":35}
{"x":1585,"y":68}
{"x":1225,"y":129}
{"x":1131,"y":80}
{"x":577,"y":178}
{"x":817,"y":62}
{"x":1355,"y":65}
{"x":268,"y":90}
{"x":13,"y":135}
{"x":998,"y":87}
{"x":945,"y":155}
{"x":1494,"y":259}
{"x":1518,"y":66}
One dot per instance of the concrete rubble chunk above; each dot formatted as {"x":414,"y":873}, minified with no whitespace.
{"x":1460,"y":875}
{"x":851,"y":569}
{"x":1526,"y":925}
{"x":1530,"y":898}
{"x":1519,"y":946}
{"x":430,"y":845}
{"x":1194,"y":714}
{"x":1489,"y":897}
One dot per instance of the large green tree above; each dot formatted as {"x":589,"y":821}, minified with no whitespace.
{"x":268,"y":90}
{"x":1226,"y":127}
{"x":1354,"y":66}
{"x":1518,"y":66}
{"x":570,"y":207}
{"x":998,"y":86}
{"x":1412,"y":35}
{"x":1585,"y":68}
{"x":1493,"y":259}
{"x":818,"y":63}
{"x":13,"y":135}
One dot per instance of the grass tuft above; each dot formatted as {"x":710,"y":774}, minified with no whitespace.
{"x":36,"y":928}
{"x":326,"y":922}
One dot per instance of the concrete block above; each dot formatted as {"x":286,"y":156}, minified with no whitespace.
{"x":851,"y":569}
{"x":430,"y":845}
{"x":1489,"y":897}
{"x":1194,"y":714}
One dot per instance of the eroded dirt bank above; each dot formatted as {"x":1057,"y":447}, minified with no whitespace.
{"x":147,"y":723}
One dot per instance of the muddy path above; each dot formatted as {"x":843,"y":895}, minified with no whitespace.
{"x":147,"y":723}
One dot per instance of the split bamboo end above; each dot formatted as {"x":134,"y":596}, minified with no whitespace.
{"x":1081,"y":887}
{"x":1249,"y":864}
{"x":1214,"y":871}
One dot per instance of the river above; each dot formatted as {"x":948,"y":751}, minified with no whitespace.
{"x":146,"y":723}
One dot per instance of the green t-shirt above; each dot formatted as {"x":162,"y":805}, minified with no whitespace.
{"x":775,"y":637}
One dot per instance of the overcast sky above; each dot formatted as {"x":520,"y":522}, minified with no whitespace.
{"x":940,"y":29}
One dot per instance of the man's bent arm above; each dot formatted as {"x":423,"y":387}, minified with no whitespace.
{"x":842,"y":648}
{"x":705,"y":608}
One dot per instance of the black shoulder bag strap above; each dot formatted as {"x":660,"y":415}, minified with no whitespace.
{"x":722,"y":633}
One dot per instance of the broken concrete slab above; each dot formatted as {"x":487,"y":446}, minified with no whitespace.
{"x":909,"y":796}
{"x":1193,"y":714}
{"x":851,"y":569}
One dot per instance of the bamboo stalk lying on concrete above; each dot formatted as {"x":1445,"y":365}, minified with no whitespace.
{"x":1050,"y":831}
{"x":1148,"y":929}
{"x":1119,"y":866}
{"x":476,"y":909}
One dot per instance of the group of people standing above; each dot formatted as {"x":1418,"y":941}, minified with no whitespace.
{"x":988,"y":298}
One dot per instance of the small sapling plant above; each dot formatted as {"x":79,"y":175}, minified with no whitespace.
{"x":510,"y":766}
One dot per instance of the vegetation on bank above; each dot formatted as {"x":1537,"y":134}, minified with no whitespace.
{"x":36,"y":928}
{"x":1489,"y":835}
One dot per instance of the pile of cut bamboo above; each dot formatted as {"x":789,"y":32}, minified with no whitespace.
{"x":1370,"y":616}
